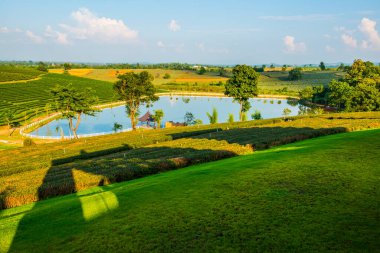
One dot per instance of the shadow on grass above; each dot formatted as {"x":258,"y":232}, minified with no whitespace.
{"x":65,"y":178}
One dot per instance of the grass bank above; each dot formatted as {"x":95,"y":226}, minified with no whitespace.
{"x":313,"y":196}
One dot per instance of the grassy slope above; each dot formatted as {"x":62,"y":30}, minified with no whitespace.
{"x":311,"y":196}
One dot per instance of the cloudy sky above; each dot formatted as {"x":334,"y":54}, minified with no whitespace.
{"x":197,"y":31}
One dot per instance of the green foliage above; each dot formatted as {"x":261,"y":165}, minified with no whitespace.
{"x":198,"y":122}
{"x":322,"y":66}
{"x":189,"y":119}
{"x":157,"y":117}
{"x":213,"y":118}
{"x":116,"y":127}
{"x":42,"y":67}
{"x":135,"y":89}
{"x":286,"y":112}
{"x":67,"y":66}
{"x":166,"y":76}
{"x":244,"y":117}
{"x":295,"y":74}
{"x":231,"y":118}
{"x":28,"y":142}
{"x":73,"y":103}
{"x":359,"y":90}
{"x":202,"y":71}
{"x":284,"y":67}
{"x":256,"y":115}
{"x":242,"y":86}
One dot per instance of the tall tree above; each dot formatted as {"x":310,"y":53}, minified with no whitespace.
{"x":42,"y":67}
{"x":72,"y":103}
{"x":322,"y":66}
{"x":135,"y":89}
{"x":157,"y":116}
{"x":242,"y":86}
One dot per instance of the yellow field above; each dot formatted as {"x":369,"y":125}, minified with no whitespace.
{"x":176,"y":76}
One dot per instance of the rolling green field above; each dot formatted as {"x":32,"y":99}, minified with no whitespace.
{"x":17,"y":73}
{"x":313,"y":196}
{"x":62,"y":168}
{"x":29,"y":99}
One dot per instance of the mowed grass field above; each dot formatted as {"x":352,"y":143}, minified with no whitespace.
{"x":28,"y":99}
{"x":317,"y":195}
{"x":71,"y":166}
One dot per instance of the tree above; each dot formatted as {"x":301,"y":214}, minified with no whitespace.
{"x":9,"y":117}
{"x":42,"y":67}
{"x":230,"y":118}
{"x":66,"y":66}
{"x":72,"y":103}
{"x":135,"y":89}
{"x":340,"y":94}
{"x":189,"y":119}
{"x":295,"y":74}
{"x":157,"y":117}
{"x":166,"y":76}
{"x":286,"y":112}
{"x":306,"y":94}
{"x":116,"y":127}
{"x":256,"y":115}
{"x":202,"y":70}
{"x":284,"y":67}
{"x":322,"y":66}
{"x":223,"y":72}
{"x":242,"y":86}
{"x":213,"y":117}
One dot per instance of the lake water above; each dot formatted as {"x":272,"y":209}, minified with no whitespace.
{"x":175,"y":108}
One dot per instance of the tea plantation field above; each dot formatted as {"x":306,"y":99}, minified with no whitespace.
{"x":29,"y":99}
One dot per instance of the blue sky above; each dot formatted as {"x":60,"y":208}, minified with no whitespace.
{"x":206,"y":32}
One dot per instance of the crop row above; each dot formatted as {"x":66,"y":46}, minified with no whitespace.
{"x":29,"y":99}
{"x":12,"y":73}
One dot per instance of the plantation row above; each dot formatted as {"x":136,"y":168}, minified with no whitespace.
{"x":13,"y":73}
{"x":58,"y":179}
{"x":29,"y":99}
{"x":43,"y":155}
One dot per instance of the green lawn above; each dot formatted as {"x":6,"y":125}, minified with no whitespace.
{"x":313,"y":196}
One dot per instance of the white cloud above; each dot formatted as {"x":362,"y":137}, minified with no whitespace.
{"x":349,"y":40}
{"x":4,"y":29}
{"x":368,"y":28}
{"x":329,"y":49}
{"x":291,"y":46}
{"x":174,"y":26}
{"x":160,"y":44}
{"x":90,"y":26}
{"x":35,"y":38}
{"x":59,"y":37}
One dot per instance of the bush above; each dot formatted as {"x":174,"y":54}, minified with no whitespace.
{"x":28,"y":142}
{"x":166,"y":76}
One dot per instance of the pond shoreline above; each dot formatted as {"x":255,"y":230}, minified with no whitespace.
{"x":27,"y":129}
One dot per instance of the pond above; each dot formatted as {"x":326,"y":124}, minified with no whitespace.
{"x":174,"y":107}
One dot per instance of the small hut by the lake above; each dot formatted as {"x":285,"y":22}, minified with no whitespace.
{"x":147,"y":119}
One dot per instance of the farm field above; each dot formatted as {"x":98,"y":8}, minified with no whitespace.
{"x":254,"y":202}
{"x":176,"y":76}
{"x":270,"y":82}
{"x":62,"y":168}
{"x":18,"y":73}
{"x":29,"y":99}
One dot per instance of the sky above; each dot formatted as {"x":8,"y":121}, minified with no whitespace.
{"x":224,"y":32}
